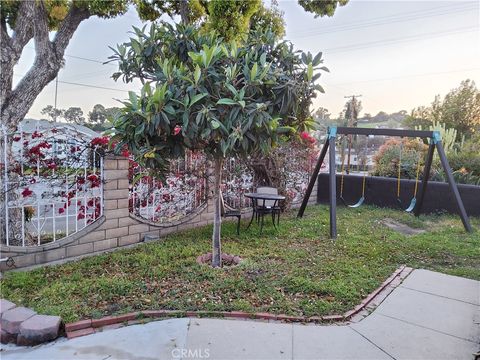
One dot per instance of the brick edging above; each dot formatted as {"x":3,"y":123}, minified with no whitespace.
{"x":90,"y":326}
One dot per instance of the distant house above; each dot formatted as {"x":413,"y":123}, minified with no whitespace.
{"x":65,"y":141}
{"x":30,"y":125}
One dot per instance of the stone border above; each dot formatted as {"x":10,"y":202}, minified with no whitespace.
{"x":23,"y":326}
{"x":90,"y":326}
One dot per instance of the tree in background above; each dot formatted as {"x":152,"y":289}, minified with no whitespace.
{"x":22,"y":21}
{"x":459,"y":109}
{"x":99,"y":117}
{"x":322,"y":7}
{"x":352,"y":111}
{"x":53,"y":113}
{"x":203,"y":94}
{"x":74,"y":115}
{"x":231,"y":19}
{"x":419,"y":117}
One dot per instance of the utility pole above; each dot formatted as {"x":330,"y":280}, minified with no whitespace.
{"x":352,"y":123}
{"x":56,"y":90}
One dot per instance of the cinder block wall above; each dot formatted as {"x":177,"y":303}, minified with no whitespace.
{"x":115,"y":229}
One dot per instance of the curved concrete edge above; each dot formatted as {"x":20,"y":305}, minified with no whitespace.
{"x":90,"y":326}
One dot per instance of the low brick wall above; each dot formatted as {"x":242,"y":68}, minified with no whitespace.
{"x":115,"y":229}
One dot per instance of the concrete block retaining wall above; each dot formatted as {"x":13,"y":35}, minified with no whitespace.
{"x":382,"y":192}
{"x":115,"y":229}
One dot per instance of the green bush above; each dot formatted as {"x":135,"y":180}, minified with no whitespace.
{"x":465,"y":163}
{"x":388,"y":157}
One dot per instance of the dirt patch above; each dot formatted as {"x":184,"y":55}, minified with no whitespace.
{"x":227,"y":260}
{"x":401,"y":228}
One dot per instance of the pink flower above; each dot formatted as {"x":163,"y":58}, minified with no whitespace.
{"x":177,"y":130}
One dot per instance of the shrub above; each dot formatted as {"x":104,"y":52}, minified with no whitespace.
{"x":388,"y":157}
{"x":465,"y":163}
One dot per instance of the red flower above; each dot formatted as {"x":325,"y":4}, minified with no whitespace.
{"x":27,"y":192}
{"x":54,"y":130}
{"x":94,"y":180}
{"x":92,"y":177}
{"x":177,"y":130}
{"x":61,"y":210}
{"x":125,"y":153}
{"x":80,"y":216}
{"x":304,"y":135}
{"x":36,"y":134}
{"x":100,"y":141}
{"x":16,"y":138}
{"x":52,"y":166}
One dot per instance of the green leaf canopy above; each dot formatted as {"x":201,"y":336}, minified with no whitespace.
{"x":201,"y":93}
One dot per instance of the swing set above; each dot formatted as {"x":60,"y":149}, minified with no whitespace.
{"x":415,"y":204}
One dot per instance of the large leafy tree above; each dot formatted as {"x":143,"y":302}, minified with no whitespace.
{"x":22,"y":21}
{"x":200,"y":93}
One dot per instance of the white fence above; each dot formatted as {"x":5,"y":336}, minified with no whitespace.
{"x":166,"y":200}
{"x":52,"y":183}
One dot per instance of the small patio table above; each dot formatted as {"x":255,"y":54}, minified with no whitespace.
{"x":260,"y":209}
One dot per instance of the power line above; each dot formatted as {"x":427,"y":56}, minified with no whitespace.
{"x":385,"y":20}
{"x":399,"y":40}
{"x":408,"y":76}
{"x":80,"y":58}
{"x":85,"y":85}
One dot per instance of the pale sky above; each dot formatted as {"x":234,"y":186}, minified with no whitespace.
{"x":396,"y":54}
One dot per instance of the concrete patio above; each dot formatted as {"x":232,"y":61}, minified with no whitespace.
{"x":429,"y":316}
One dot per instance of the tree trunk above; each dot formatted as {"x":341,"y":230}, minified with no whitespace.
{"x":32,"y":22}
{"x":217,"y":220}
{"x":184,"y":12}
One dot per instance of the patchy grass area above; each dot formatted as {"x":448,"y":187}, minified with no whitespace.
{"x":297,"y":270}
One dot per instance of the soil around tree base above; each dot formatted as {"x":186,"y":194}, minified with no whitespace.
{"x":227,"y":259}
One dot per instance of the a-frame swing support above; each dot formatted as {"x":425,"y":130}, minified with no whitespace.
{"x":435,"y":142}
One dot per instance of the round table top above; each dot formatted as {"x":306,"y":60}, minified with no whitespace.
{"x":264,"y":196}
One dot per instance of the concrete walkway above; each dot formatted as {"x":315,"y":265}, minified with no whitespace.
{"x":429,"y":316}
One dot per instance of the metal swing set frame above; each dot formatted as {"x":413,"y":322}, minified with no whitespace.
{"x":435,"y":141}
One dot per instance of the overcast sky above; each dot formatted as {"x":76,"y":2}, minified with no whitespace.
{"x":396,"y":54}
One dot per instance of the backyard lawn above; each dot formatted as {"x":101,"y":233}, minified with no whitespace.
{"x":297,"y":270}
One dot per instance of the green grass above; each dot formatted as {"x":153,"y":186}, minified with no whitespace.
{"x":297,"y":270}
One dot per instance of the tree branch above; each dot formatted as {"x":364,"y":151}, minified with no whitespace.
{"x":48,"y":61}
{"x":68,"y":27}
{"x":40,"y":31}
{"x":12,"y":47}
